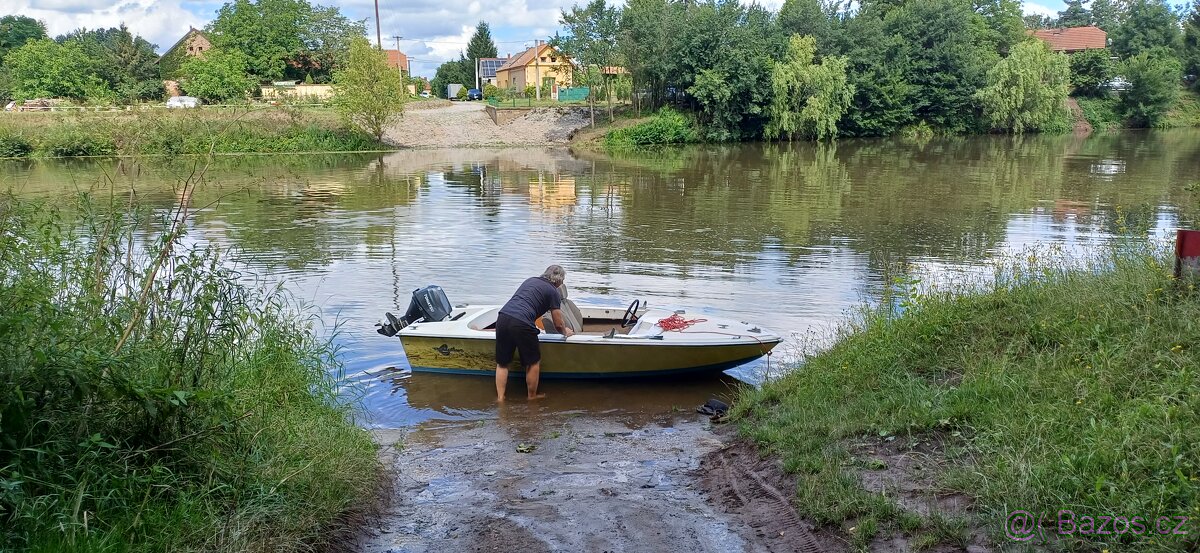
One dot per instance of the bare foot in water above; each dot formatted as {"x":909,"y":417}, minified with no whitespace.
{"x":538,"y":396}
{"x":500,"y":399}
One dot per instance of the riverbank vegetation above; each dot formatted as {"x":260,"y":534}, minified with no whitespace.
{"x":1055,"y":385}
{"x":181,"y":132}
{"x":941,"y":66}
{"x":153,"y":399}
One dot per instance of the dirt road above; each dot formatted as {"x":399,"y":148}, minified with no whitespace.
{"x":583,"y":483}
{"x":466,"y":124}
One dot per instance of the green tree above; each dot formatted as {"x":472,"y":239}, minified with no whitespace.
{"x":1075,"y":15}
{"x":808,"y":98}
{"x":480,"y":46}
{"x":452,"y":72}
{"x":326,"y":35}
{"x":16,"y":30}
{"x":267,"y":32}
{"x":1154,"y":86}
{"x":808,"y":18}
{"x":883,"y":98}
{"x":589,"y":38}
{"x":1005,"y":25}
{"x":127,"y":63}
{"x":1038,"y":21}
{"x":43,"y":68}
{"x":1027,"y":90}
{"x":947,"y":57}
{"x":1091,"y":70}
{"x":367,"y":92}
{"x":220,"y":76}
{"x":1107,"y":15}
{"x":1191,"y":45}
{"x":1149,"y":24}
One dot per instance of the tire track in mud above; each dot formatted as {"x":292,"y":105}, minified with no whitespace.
{"x":742,"y":483}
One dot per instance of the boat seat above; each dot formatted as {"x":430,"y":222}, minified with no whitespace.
{"x":572,"y":316}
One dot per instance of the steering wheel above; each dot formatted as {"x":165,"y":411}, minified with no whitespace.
{"x":630,"y":317}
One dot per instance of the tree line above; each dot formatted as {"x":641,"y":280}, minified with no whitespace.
{"x":253,"y":41}
{"x":823,"y":68}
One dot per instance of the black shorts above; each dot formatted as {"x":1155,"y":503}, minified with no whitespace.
{"x":513,"y":333}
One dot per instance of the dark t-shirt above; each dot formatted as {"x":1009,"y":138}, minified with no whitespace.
{"x":535,"y":296}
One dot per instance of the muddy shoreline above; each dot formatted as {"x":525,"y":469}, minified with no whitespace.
{"x":584,"y":482}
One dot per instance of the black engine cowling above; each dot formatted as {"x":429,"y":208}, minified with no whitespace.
{"x":429,"y":304}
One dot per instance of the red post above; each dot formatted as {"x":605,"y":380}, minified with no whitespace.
{"x":1187,"y":254}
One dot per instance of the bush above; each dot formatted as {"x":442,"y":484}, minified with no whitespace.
{"x":76,"y":140}
{"x":1091,"y":70}
{"x":1101,"y":113}
{"x":14,"y":144}
{"x":665,"y":127}
{"x":151,"y":410}
{"x":1154,"y":86}
{"x":491,"y":91}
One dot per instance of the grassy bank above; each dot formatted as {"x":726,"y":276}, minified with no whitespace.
{"x":1105,"y":113}
{"x":152,"y":401}
{"x":1054,"y":387}
{"x":175,"y":132}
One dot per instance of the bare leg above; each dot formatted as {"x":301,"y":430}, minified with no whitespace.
{"x":501,"y":382}
{"x":532,"y":373}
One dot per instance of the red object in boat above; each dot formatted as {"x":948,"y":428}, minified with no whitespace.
{"x":1187,"y":254}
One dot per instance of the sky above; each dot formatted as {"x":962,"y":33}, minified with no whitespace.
{"x":432,"y":31}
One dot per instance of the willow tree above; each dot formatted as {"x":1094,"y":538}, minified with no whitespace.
{"x":809,"y":98}
{"x":1027,"y":90}
{"x":367,"y":92}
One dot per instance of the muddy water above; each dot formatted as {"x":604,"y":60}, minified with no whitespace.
{"x":786,"y":236}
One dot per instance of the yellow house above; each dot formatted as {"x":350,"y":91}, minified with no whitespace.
{"x":542,"y":62}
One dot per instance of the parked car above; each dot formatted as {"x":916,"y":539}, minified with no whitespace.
{"x":183,"y":102}
{"x":425,"y":94}
{"x":1119,"y":84}
{"x":474,"y":94}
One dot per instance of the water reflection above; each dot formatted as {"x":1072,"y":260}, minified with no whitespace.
{"x":786,"y":235}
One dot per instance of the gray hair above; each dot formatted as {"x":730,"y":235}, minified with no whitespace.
{"x":555,"y":274}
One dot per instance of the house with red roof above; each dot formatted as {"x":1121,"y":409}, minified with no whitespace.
{"x":1072,"y":39}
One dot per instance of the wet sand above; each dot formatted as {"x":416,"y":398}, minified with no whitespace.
{"x":533,"y":479}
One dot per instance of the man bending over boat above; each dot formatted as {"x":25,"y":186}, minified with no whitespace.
{"x":516,"y":327}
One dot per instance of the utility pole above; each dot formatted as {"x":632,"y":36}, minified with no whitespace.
{"x":399,"y":67}
{"x":537,"y":68}
{"x":378,"y":34}
{"x":477,"y":83}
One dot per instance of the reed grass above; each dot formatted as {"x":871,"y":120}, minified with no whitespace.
{"x":282,"y":129}
{"x":1057,"y":384}
{"x":153,"y":397}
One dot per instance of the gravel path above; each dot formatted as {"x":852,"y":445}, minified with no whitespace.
{"x":466,"y":124}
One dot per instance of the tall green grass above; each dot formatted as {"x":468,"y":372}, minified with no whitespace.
{"x":1059,"y":384}
{"x":152,"y":398}
{"x":665,"y":127}
{"x":175,"y":132}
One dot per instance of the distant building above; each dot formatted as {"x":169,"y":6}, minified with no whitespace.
{"x":193,"y":43}
{"x":397,"y":60}
{"x":541,"y":61}
{"x":487,"y":70}
{"x":1072,"y":39}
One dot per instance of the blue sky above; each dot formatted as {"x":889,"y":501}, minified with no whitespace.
{"x":432,"y":30}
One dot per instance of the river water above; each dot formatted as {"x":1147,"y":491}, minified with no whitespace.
{"x":786,"y":236}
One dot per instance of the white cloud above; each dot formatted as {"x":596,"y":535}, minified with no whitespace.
{"x":1029,"y":8}
{"x":159,"y":22}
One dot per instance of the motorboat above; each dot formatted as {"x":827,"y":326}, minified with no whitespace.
{"x":639,"y":341}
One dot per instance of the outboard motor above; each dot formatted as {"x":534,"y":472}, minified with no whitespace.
{"x":429,"y":304}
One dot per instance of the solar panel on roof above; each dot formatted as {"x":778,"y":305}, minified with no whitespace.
{"x":487,"y":68}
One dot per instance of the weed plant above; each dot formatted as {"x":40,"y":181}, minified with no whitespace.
{"x":665,"y":127}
